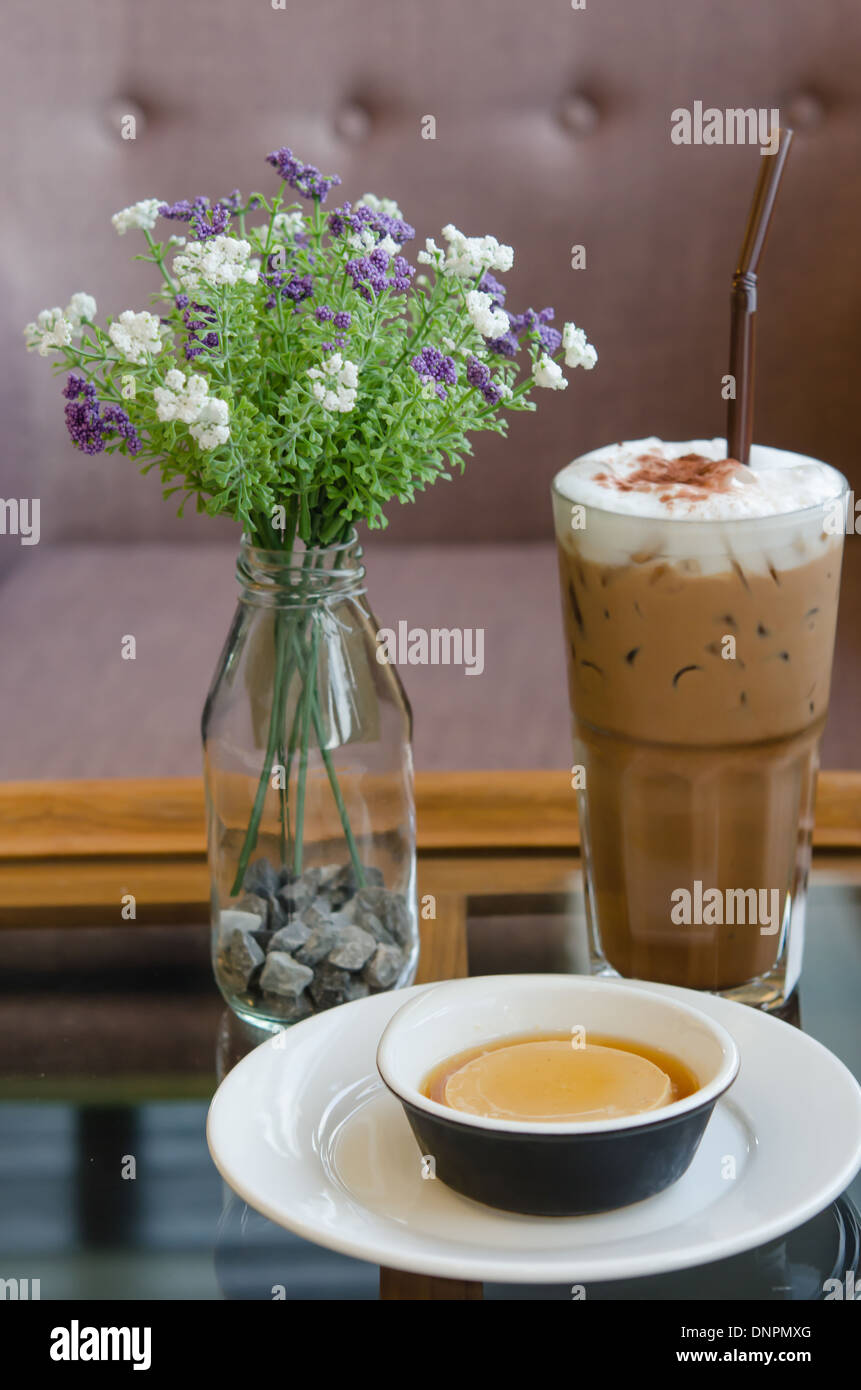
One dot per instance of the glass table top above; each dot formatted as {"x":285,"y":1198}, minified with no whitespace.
{"x":113,"y":1039}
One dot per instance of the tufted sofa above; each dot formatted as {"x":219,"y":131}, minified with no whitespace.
{"x":552,"y":129}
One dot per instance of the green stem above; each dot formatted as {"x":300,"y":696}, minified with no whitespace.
{"x":308,"y":695}
{"x":339,"y":799}
{"x":271,"y":743}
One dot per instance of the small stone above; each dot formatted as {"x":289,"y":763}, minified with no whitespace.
{"x":315,"y":919}
{"x":373,"y":876}
{"x":356,"y":989}
{"x":330,"y":986}
{"x":370,"y":922}
{"x":252,"y":902}
{"x":285,"y":876}
{"x":352,"y":949}
{"x":290,"y":937}
{"x":384,"y":967}
{"x":292,"y":899}
{"x":312,"y":878}
{"x":390,"y":908}
{"x":239,"y":959}
{"x":283,"y":975}
{"x":262,"y":879}
{"x":319,"y":943}
{"x":233,"y":919}
{"x":288,"y":1010}
{"x":337,"y":887}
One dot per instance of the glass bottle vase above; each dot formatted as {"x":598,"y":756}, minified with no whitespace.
{"x":309,"y":787}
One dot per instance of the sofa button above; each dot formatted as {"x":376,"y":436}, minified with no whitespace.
{"x":579,"y":114}
{"x":352,"y":123}
{"x":803,"y":111}
{"x":125,"y":117}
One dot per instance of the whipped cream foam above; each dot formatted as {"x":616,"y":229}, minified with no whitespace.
{"x":695,"y":481}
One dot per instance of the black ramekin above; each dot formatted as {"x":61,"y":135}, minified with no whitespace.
{"x":541,"y":1169}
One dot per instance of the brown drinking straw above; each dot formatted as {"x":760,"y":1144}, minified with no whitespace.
{"x":739,"y":430}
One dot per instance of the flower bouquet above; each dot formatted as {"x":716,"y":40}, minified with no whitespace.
{"x":298,"y":374}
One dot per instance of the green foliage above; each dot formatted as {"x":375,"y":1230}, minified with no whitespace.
{"x":284,"y":448}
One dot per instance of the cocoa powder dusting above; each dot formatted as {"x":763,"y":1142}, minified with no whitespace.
{"x":690,"y":475}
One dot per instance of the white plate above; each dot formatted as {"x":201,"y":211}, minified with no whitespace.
{"x":304,"y":1131}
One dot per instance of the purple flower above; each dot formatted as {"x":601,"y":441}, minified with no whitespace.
{"x":349,"y":219}
{"x":488,"y":284}
{"x":529,"y":322}
{"x":115,"y":421}
{"x":395,"y":227}
{"x":233,"y":201}
{"x":367,"y":278}
{"x":298,"y":288}
{"x":323,"y":313}
{"x":77,"y":386}
{"x":177,"y":212}
{"x":368,"y":274}
{"x":90,"y":424}
{"x":430,"y":365}
{"x":343,"y":320}
{"x":506,"y":346}
{"x":478,"y":375}
{"x":207,"y":222}
{"x":181,"y":301}
{"x":305,"y":178}
{"x":207,"y":316}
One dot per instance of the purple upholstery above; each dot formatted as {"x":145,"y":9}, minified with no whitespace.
{"x":552,"y":129}
{"x":72,"y":707}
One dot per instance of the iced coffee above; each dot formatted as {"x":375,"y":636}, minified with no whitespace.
{"x":700,"y":600}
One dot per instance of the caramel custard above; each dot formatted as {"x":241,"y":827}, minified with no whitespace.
{"x":551,"y":1079}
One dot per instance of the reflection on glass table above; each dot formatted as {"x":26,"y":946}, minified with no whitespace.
{"x":113,"y":1039}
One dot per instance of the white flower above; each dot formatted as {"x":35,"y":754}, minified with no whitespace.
{"x":211,"y":428}
{"x":471,"y":256}
{"x":390,"y":246}
{"x":142,"y":216}
{"x":136,"y":335}
{"x":384,"y":205}
{"x":489,"y":322}
{"x":365,"y":240}
{"x":578,"y":353}
{"x":81,"y":306}
{"x":548,"y":373}
{"x":178,"y":400}
{"x":335,"y":383}
{"x":175,"y":241}
{"x":206,"y":416}
{"x":50,"y":331}
{"x":221,"y":260}
{"x":285,"y":225}
{"x":432,"y":254}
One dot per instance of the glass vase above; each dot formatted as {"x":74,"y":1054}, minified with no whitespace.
{"x":309,"y":788}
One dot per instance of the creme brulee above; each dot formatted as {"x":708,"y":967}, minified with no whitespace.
{"x":550,"y":1079}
